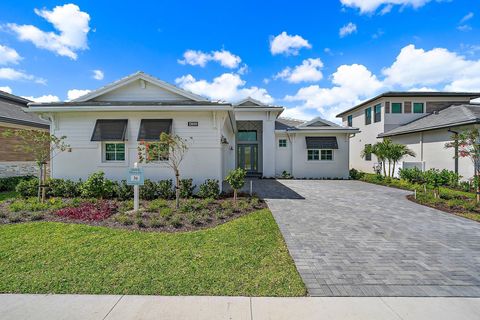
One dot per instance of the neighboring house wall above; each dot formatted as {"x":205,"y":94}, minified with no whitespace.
{"x":389,"y":120}
{"x":283,"y":155}
{"x":429,"y":147}
{"x":13,"y":160}
{"x":204,"y":158}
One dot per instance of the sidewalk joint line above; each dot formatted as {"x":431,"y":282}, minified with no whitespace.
{"x":390,"y":307}
{"x":251,"y":309}
{"x":115,"y":304}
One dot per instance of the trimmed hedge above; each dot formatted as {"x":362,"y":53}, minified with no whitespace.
{"x":10,"y":183}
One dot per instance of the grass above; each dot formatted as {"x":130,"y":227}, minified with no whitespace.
{"x":453,"y":201}
{"x":246,"y":256}
{"x":7,"y":195}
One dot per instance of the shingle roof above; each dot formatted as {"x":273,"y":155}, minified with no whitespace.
{"x":451,"y":116}
{"x":287,"y":123}
{"x":11,"y":111}
{"x":471,"y":95}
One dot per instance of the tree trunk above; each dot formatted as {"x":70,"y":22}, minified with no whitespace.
{"x":393,"y":169}
{"x":39,"y":193}
{"x":389,"y":167}
{"x":177,"y":189}
{"x":384,"y":165}
{"x":235,"y":195}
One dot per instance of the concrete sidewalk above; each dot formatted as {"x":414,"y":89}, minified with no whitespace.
{"x":71,"y":307}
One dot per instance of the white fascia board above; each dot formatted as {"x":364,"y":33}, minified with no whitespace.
{"x":338,"y":130}
{"x":259,"y":109}
{"x":126,"y":108}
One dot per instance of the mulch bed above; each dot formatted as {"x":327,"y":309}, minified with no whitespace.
{"x":456,"y":210}
{"x":194,"y":214}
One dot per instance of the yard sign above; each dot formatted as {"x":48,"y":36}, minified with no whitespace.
{"x":135,"y":177}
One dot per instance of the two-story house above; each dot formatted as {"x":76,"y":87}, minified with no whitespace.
{"x":424,"y":121}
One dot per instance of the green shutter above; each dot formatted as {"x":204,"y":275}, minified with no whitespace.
{"x":418,"y":108}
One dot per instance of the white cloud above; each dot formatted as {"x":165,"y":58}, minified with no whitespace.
{"x":199,"y":58}
{"x":347,"y":29}
{"x":6,"y":89}
{"x":75,"y":93}
{"x":14,"y":75}
{"x":414,"y":67}
{"x":368,"y":6}
{"x":44,"y":98}
{"x":464,"y":28}
{"x":228,"y":87}
{"x":423,"y":89}
{"x":467,"y":17}
{"x":71,"y":23}
{"x":352,"y":83}
{"x":308,"y":71}
{"x":98,"y":74}
{"x":288,"y":45}
{"x":8,"y":55}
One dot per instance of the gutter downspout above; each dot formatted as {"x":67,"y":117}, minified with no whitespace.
{"x":456,"y":149}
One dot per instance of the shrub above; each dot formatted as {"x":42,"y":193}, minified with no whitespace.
{"x":166,"y":213}
{"x":286,"y":175}
{"x":123,"y":191}
{"x":96,"y":186}
{"x":63,"y":188}
{"x":236,"y":179}
{"x":126,"y":206}
{"x":412,"y":175}
{"x":243,"y":205}
{"x":186,"y":188}
{"x":141,"y":223}
{"x":10,"y":183}
{"x":27,"y":188}
{"x":149,"y":190}
{"x":255,"y":202}
{"x":209,"y":189}
{"x":194,"y":218}
{"x":176,"y":221}
{"x":355,"y":174}
{"x":32,"y":205}
{"x":165,"y":189}
{"x":156,"y":223}
{"x":156,"y":205}
{"x":450,"y":178}
{"x":37,"y":216}
{"x":88,"y":211}
{"x":124,"y":219}
{"x":14,"y":218}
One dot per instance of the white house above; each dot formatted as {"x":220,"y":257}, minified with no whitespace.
{"x":104,"y":127}
{"x":424,"y":121}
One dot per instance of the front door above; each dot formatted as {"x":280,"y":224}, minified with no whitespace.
{"x":248,"y":157}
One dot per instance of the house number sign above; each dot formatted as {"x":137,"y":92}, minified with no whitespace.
{"x":193,"y":123}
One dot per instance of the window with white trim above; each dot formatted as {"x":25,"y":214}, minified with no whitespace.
{"x":319,"y":154}
{"x":114,"y":151}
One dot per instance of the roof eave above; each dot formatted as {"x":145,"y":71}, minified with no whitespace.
{"x":43,"y":108}
{"x":386,"y":134}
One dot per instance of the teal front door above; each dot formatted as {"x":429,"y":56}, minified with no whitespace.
{"x":247,"y":155}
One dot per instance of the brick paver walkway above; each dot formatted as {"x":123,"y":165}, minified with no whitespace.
{"x":350,"y":238}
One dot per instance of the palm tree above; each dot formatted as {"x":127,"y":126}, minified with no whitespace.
{"x":385,"y":151}
{"x":396,"y":153}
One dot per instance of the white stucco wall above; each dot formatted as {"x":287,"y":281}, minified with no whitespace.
{"x":283,"y":155}
{"x":204,"y":159}
{"x":336,"y":168}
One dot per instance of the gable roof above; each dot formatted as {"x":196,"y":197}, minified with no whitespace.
{"x":391,"y":94}
{"x":452,"y":116}
{"x":249,"y":102}
{"x":315,"y":125}
{"x":11,"y":112}
{"x":140,"y":75}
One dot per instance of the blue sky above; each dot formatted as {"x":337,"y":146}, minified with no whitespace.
{"x":314,"y":58}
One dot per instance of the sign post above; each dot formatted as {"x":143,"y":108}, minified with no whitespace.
{"x":135,"y":177}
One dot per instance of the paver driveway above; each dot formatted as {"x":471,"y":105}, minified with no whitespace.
{"x":350,"y":238}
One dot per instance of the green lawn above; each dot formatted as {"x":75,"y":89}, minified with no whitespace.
{"x":246,"y":256}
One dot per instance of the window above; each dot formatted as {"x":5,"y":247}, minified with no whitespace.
{"x":326,"y":154}
{"x":418,"y":107}
{"x":368,"y":156}
{"x":368,"y":115}
{"x":114,"y":151}
{"x":282,"y":143}
{"x":247,"y":135}
{"x":313,"y":155}
{"x":322,"y":154}
{"x":377,"y":117}
{"x":350,"y":121}
{"x":396,"y":107}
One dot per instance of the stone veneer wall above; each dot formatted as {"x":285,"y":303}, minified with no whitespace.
{"x":20,"y":168}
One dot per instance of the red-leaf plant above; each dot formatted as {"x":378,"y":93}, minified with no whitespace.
{"x":88,"y":211}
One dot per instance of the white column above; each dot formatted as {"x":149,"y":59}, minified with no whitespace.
{"x":268,"y":144}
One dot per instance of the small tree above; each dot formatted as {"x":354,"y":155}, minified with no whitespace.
{"x":397,"y":152}
{"x":43,"y":146}
{"x":466,"y":144}
{"x":236,"y":179}
{"x":171,"y":149}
